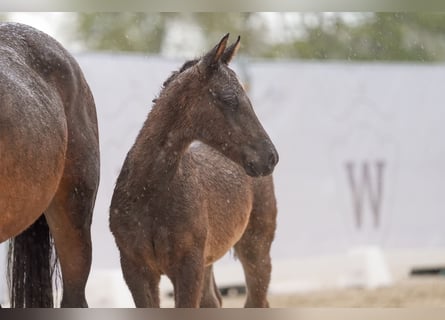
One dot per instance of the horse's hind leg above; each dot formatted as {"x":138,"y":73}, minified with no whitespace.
{"x":69,"y":217}
{"x":253,"y":249}
{"x":70,"y":213}
{"x":211,"y":297}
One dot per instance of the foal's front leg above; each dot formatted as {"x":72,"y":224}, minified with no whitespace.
{"x":253,"y":249}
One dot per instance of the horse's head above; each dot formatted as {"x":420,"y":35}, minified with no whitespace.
{"x":221,"y":113}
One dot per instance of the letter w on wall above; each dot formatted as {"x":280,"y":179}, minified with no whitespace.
{"x":366,"y":184}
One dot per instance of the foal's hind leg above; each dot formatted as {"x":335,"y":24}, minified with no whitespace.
{"x":69,"y":217}
{"x":142,"y":282}
{"x":253,"y":249}
{"x":187,"y":278}
{"x":211,"y":297}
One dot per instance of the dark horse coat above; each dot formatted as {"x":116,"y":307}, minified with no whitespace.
{"x":179,"y":206}
{"x":49,"y":163}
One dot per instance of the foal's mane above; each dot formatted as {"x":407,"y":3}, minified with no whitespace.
{"x":174,"y":75}
{"x":188,"y":64}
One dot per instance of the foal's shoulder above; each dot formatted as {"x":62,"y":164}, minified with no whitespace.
{"x":201,"y":153}
{"x":205,"y":158}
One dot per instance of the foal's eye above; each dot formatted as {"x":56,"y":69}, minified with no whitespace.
{"x":230,"y":100}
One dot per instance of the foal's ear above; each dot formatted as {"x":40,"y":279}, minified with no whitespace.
{"x":213,"y":56}
{"x":231,"y":51}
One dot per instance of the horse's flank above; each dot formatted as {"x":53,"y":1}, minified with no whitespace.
{"x":49,"y":164}
{"x":33,"y":136}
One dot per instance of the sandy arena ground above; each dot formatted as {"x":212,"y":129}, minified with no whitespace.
{"x":413,"y":292}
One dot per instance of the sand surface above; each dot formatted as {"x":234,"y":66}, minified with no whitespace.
{"x":413,"y":292}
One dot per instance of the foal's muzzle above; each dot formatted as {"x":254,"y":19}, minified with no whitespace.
{"x":261,"y":161}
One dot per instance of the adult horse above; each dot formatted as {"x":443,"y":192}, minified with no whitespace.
{"x":179,"y":206}
{"x":49,"y":166}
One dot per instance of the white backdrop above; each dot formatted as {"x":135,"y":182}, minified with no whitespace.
{"x":321,"y":116}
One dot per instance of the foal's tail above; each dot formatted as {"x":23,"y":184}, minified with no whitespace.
{"x":31,"y":264}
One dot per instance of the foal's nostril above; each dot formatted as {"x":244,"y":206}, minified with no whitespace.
{"x":251,"y":169}
{"x":273,"y":160}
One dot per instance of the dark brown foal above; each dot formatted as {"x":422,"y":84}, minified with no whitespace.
{"x":195,"y":184}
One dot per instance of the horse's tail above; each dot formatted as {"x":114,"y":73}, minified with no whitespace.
{"x":31,"y":265}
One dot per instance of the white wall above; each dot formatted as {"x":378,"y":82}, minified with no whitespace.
{"x":320,"y":116}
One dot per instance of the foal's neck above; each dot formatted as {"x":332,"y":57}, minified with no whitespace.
{"x":162,"y":142}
